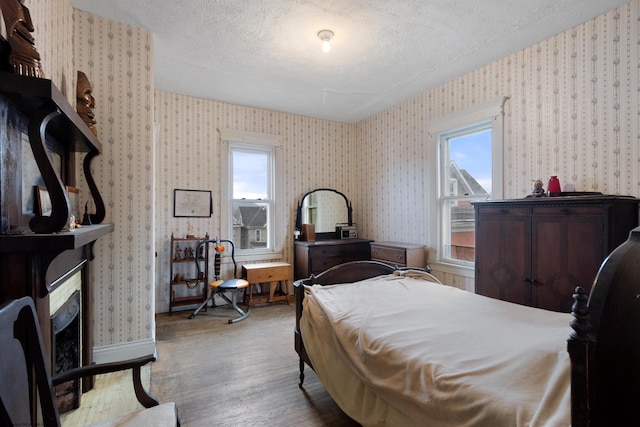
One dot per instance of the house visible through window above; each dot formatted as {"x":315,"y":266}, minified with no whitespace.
{"x":252,"y":195}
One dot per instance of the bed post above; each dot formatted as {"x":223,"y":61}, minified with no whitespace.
{"x":343,"y":273}
{"x":580,"y":347}
{"x":298,"y":292}
{"x":605,"y":346}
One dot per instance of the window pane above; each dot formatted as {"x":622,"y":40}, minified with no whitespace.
{"x":250,"y":221}
{"x":250,"y":175}
{"x":470,"y":163}
{"x":467,"y":172}
{"x":459,"y":239}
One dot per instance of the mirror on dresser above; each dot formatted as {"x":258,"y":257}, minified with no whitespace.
{"x":326,"y":209}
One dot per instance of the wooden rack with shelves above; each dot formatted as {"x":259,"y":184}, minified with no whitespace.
{"x":186,"y":287}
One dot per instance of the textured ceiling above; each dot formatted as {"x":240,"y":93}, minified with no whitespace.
{"x":266,"y":53}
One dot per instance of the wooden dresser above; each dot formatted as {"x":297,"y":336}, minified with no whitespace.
{"x":398,"y":254}
{"x":535,"y":251}
{"x":315,"y":257}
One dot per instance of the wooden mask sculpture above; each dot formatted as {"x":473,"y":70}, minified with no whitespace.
{"x":85,"y":102}
{"x":23,"y":56}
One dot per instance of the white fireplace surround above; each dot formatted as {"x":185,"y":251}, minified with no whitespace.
{"x":103,"y":354}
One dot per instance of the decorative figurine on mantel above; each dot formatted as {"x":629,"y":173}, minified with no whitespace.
{"x":23,"y":55}
{"x":85,"y":102}
{"x":538,"y":191}
{"x":86,"y":218}
{"x":190,"y":231}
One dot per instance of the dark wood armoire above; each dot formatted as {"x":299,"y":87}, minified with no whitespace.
{"x":535,"y":251}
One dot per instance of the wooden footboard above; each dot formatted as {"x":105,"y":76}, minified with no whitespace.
{"x":605,"y":344}
{"x":344,"y":273}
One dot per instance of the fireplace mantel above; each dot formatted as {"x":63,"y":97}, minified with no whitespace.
{"x":61,"y":251}
{"x":61,"y":241}
{"x":37,"y":253}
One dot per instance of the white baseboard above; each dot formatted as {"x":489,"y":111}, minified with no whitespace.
{"x":123,"y":351}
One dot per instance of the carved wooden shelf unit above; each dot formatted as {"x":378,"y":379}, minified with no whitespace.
{"x":35,"y":260}
{"x":50,"y":114}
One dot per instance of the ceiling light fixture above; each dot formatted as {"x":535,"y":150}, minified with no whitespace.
{"x":325,"y":36}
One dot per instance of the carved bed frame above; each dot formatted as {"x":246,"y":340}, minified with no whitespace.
{"x":604,"y":346}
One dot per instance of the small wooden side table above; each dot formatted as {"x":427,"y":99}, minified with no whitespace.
{"x":271,"y":273}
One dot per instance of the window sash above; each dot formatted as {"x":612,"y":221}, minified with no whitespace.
{"x":245,"y":230}
{"x":244,"y":241}
{"x":236,"y":138}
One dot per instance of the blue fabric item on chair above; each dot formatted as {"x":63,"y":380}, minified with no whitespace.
{"x":221,"y":286}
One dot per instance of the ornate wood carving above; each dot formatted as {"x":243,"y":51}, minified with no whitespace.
{"x":50,"y":115}
{"x":60,"y":207}
{"x":98,"y":217}
{"x":580,"y":310}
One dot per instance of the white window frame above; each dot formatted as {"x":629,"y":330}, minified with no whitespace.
{"x":230,"y":138}
{"x":494,"y":111}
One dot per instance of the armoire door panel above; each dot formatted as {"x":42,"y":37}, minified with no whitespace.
{"x":505,"y":260}
{"x":566,"y":253}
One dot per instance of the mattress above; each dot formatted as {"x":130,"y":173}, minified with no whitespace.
{"x":397,"y":350}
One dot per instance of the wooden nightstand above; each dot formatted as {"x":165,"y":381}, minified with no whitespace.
{"x":271,"y":274}
{"x":398,"y":254}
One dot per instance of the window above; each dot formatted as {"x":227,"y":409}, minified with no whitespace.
{"x":252,"y":195}
{"x":466,"y":153}
{"x":248,"y":210}
{"x":465,"y":174}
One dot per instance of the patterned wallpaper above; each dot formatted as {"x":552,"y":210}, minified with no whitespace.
{"x":573,"y":112}
{"x":118,"y":60}
{"x":188,"y":157}
{"x":53,"y":22}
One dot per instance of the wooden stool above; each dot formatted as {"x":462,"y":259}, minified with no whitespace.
{"x":271,"y":273}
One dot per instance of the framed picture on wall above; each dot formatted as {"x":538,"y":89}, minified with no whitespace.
{"x":192,"y":203}
{"x":43,"y":201}
{"x":74,"y":200}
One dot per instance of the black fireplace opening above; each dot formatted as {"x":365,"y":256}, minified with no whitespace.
{"x":65,"y":331}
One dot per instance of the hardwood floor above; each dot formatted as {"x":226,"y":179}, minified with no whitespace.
{"x":221,"y":374}
{"x":112,"y":396}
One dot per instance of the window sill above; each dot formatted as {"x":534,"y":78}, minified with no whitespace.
{"x":459,"y":270}
{"x":259,"y":256}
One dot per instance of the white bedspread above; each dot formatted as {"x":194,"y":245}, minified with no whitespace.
{"x":447,"y":357}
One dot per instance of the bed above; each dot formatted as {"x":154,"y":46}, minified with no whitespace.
{"x":396,"y":348}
